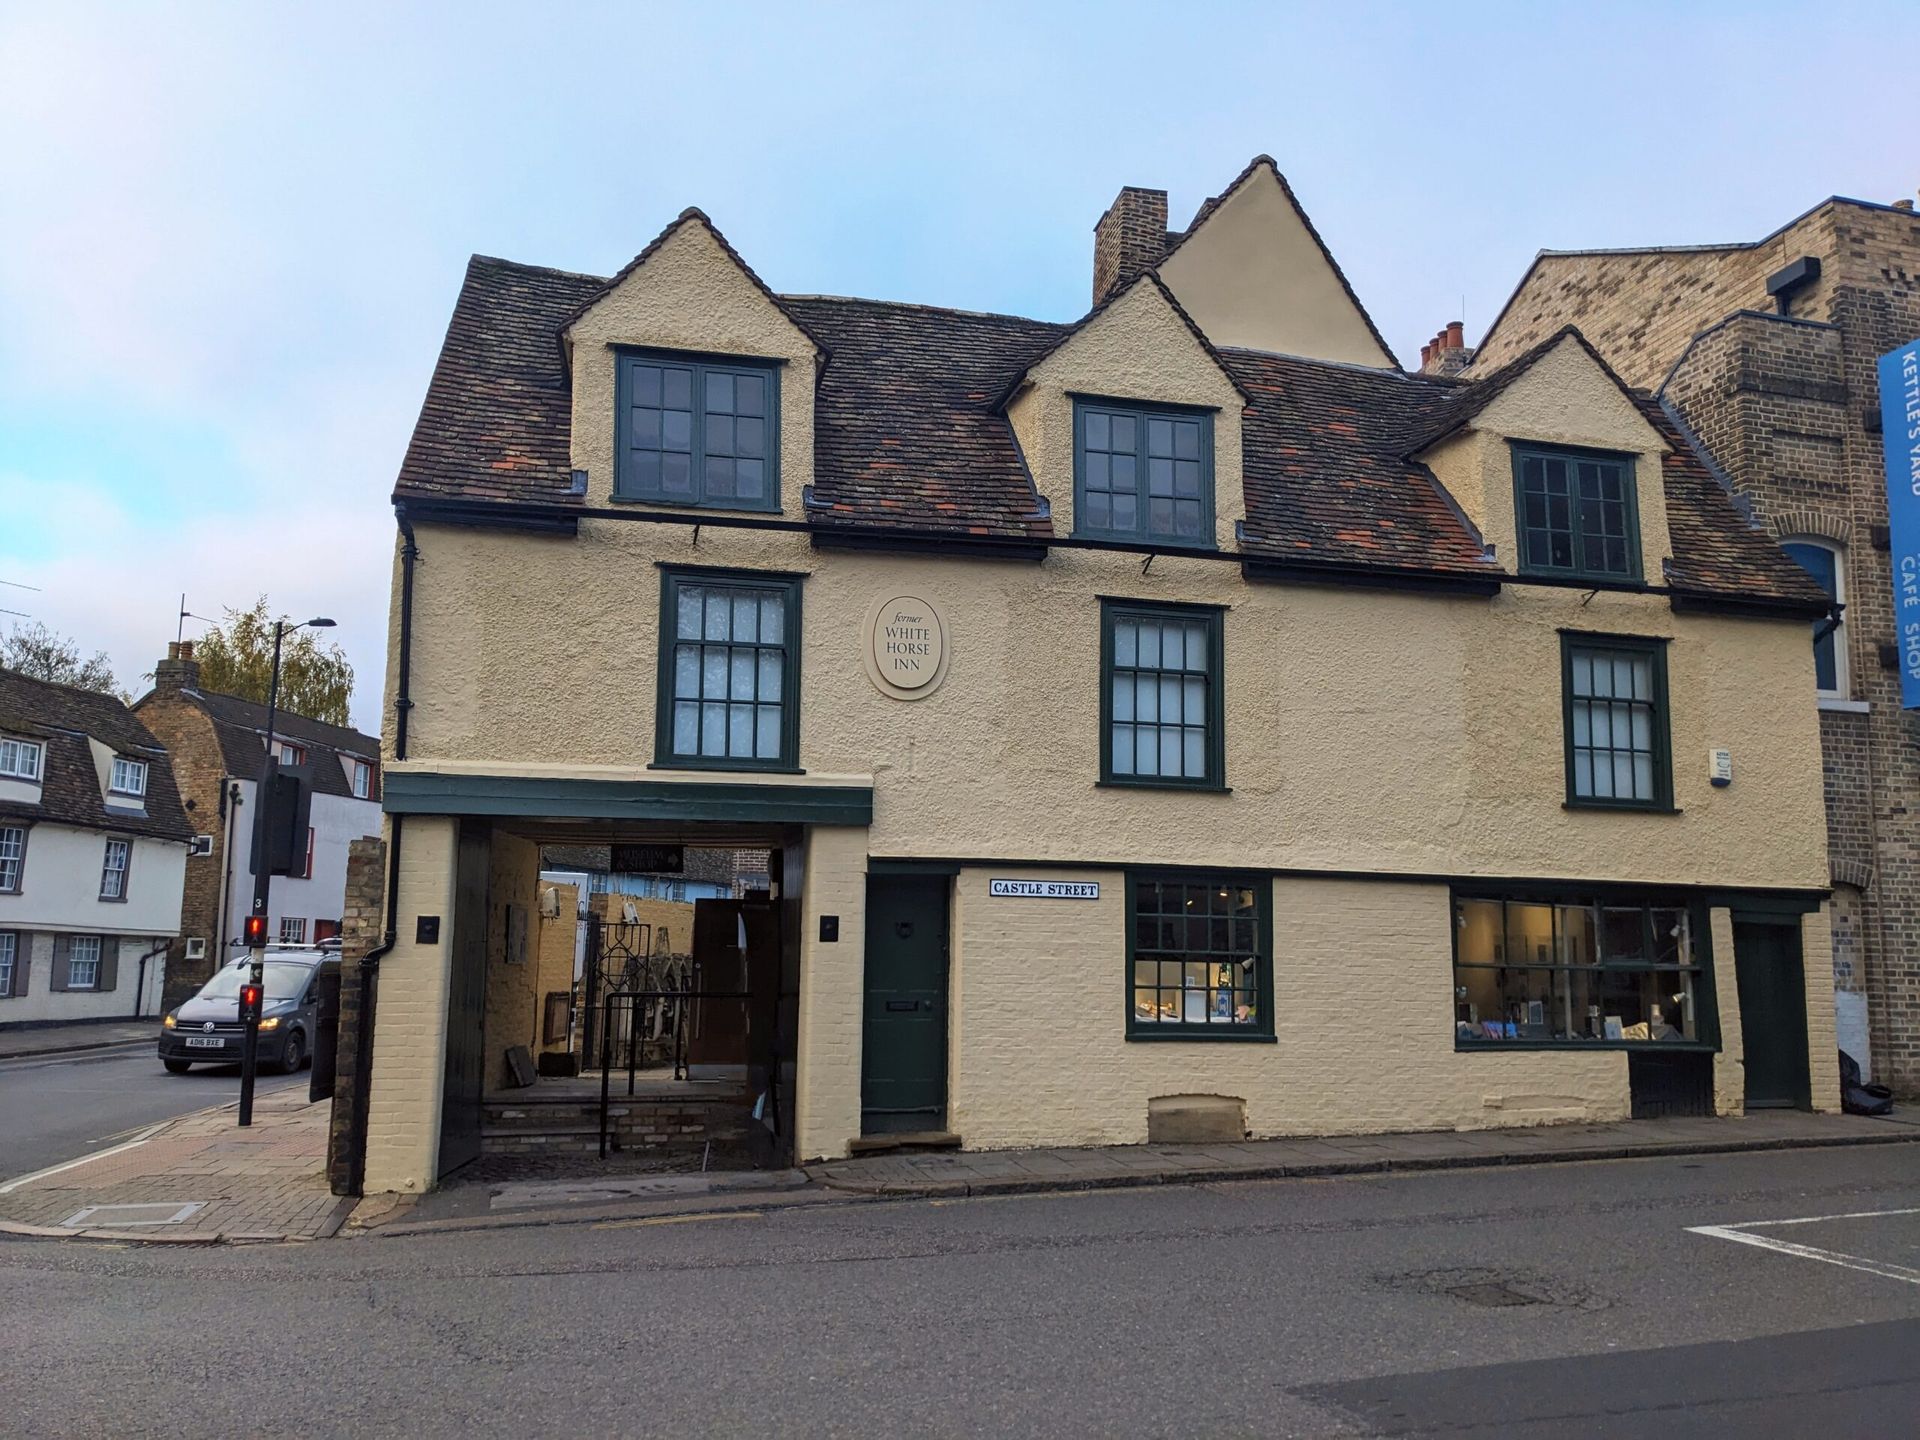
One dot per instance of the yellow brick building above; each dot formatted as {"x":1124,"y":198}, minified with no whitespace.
{"x":1183,"y":711}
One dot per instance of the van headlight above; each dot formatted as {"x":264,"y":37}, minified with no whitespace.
{"x":167,"y":1022}
{"x":272,"y":1022}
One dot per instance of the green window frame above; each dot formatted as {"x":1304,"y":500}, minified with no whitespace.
{"x":1142,"y":473}
{"x":1576,"y":513}
{"x":1614,"y":717}
{"x":1564,"y":967}
{"x":1162,"y":696}
{"x":1199,"y":955}
{"x":729,"y":687}
{"x":698,"y":431}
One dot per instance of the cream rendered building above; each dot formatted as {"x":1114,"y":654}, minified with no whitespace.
{"x":1181,"y":713}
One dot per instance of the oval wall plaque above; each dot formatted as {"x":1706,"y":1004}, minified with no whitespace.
{"x":906,"y":646}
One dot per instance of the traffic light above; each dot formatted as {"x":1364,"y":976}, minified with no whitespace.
{"x":255,"y":931}
{"x":249,"y":1003}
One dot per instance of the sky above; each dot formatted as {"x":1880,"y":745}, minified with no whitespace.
{"x":231,"y":236}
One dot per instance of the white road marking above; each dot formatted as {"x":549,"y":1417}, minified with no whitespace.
{"x":1742,"y":1234}
{"x":145,"y":1135}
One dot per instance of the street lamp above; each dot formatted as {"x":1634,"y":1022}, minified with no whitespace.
{"x":256,"y":927}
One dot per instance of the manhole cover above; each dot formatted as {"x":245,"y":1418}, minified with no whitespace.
{"x":120,"y":1217}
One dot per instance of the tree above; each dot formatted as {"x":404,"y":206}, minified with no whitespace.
{"x":44,"y":654}
{"x":236,"y":658}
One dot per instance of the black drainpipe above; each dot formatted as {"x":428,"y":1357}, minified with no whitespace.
{"x":370,"y":963}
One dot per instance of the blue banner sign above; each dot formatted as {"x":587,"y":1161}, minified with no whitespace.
{"x":1900,"y":429}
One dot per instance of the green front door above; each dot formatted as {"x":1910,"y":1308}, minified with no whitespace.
{"x":1773,"y":1011}
{"x":903,"y":1070}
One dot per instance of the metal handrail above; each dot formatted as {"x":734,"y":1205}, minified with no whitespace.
{"x":633,"y":997}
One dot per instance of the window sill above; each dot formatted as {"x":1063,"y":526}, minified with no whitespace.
{"x":729,"y":765}
{"x":1163,"y":785}
{"x":1844,"y":707}
{"x":1675,"y":1047}
{"x":1229,"y":1037}
{"x":1589,"y":808}
{"x":661,"y":502}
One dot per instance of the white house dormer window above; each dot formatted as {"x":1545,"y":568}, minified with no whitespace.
{"x":287,"y":753}
{"x":129,"y":777}
{"x":20,"y":759}
{"x":362,"y":779}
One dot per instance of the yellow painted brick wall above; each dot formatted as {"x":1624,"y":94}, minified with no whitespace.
{"x":1816,"y":944}
{"x":672,"y":920}
{"x":513,"y":1004}
{"x":1729,"y":1066}
{"x":832,"y":985}
{"x":555,"y":942}
{"x":1363,"y":1000}
{"x":410,"y":1029}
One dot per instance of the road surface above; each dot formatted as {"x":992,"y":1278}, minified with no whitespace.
{"x":1527,"y":1301}
{"x":59,"y":1107}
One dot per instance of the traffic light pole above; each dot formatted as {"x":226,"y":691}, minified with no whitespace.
{"x":256,"y":926}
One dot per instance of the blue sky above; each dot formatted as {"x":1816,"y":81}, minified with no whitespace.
{"x":230,"y":236}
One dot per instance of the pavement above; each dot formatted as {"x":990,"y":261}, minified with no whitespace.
{"x":200,"y":1179}
{"x":22,"y":1040}
{"x":1543,"y":1302}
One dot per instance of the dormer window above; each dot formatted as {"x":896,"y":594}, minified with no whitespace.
{"x":1142,"y":474}
{"x":20,"y":759}
{"x":287,"y":753}
{"x":1575,"y":513}
{"x":696,"y":432}
{"x":129,"y":777}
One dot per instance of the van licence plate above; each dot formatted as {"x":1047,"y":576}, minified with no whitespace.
{"x":205,"y":1042}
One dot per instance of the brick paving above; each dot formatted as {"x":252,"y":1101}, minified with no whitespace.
{"x":265,"y":1182}
{"x":1002,"y":1172}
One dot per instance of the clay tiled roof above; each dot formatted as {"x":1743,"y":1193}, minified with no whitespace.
{"x":64,"y":719}
{"x":241,"y":726}
{"x":906,"y":431}
{"x":1327,"y":476}
{"x":908,"y":434}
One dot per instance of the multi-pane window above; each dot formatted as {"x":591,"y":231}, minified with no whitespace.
{"x":288,"y":753}
{"x":1161,"y":703}
{"x":1200,"y":951}
{"x":113,"y":872}
{"x":729,"y":663}
{"x":1576,"y":513}
{"x":1143,"y":474}
{"x":13,"y":856}
{"x":362,"y":779}
{"x":9,"y":960}
{"x":1616,"y":721}
{"x":1821,"y":559}
{"x":696,"y":433}
{"x":129,"y":776}
{"x":19,"y":760}
{"x":293,"y":930}
{"x":83,"y":962}
{"x":1578,"y":969}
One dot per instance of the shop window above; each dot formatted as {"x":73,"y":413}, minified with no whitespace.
{"x":1823,"y":560}
{"x":1575,"y":513}
{"x":1199,"y":949}
{"x":1161,"y":705}
{"x":729,"y":671}
{"x":1142,"y":474}
{"x":696,"y":433}
{"x":1579,"y":970}
{"x":1615,"y":695}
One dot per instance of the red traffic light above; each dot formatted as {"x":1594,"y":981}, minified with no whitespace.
{"x":249,"y":1002}
{"x":255,"y":931}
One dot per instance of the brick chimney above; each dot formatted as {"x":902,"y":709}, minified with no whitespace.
{"x":1129,"y":239}
{"x":179,"y":671}
{"x":1447,"y":353}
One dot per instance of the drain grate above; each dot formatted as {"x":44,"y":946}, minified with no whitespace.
{"x":121,"y":1217}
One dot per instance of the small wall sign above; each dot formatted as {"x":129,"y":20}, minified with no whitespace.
{"x":1720,"y":767}
{"x":1045,"y":889}
{"x":906,"y":645}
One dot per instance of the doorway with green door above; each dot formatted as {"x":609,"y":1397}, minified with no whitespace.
{"x":903,"y":1070}
{"x":1771,"y":974}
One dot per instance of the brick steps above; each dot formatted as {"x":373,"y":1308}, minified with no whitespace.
{"x":568,"y":1124}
